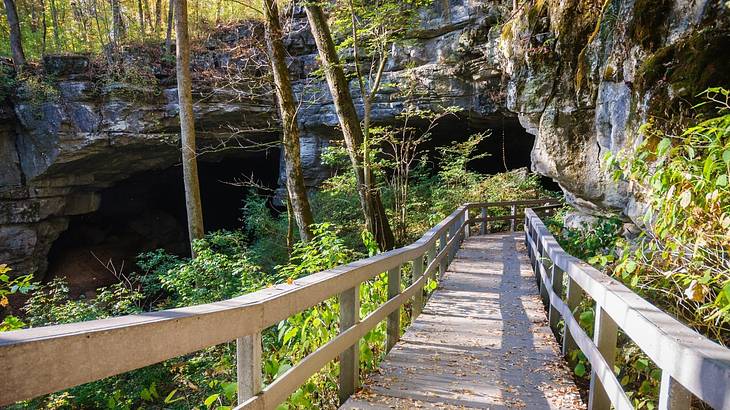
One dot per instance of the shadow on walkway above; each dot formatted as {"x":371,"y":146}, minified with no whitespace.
{"x":482,"y":341}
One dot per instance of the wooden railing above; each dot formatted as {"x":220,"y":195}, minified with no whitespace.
{"x":690,"y":363}
{"x":48,"y":359}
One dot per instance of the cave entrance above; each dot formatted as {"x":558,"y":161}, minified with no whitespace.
{"x":508,"y":144}
{"x":147,"y":211}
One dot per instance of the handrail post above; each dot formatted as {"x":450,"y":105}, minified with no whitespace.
{"x":448,"y":248}
{"x":483,"y":228}
{"x":393,"y":325}
{"x":672,"y":395}
{"x":557,"y":281}
{"x":572,"y":299}
{"x":431,"y":257}
{"x":443,"y":263}
{"x":540,"y":266}
{"x":513,"y":221}
{"x":468,"y":224}
{"x":350,"y":358}
{"x":248,"y":366}
{"x":605,"y":334}
{"x":416,"y":274}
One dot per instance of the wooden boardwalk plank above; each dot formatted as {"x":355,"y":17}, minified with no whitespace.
{"x":482,"y":341}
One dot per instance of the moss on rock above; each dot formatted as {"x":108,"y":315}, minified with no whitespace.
{"x":649,"y":25}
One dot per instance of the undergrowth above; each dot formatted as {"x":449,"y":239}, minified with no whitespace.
{"x":233,"y":263}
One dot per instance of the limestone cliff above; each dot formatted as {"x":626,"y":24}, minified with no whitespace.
{"x":60,"y":149}
{"x":580,"y":75}
{"x":584,"y":75}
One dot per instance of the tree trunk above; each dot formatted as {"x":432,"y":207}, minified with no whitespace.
{"x":54,"y":21}
{"x":187,"y":124}
{"x":168,"y":36}
{"x":140,"y":10}
{"x":117,"y":23}
{"x":16,"y":43}
{"x":158,"y":18}
{"x":288,"y":110}
{"x":370,"y":201}
{"x":44,"y":27}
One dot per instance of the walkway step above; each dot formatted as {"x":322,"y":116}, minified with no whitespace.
{"x":482,"y":341}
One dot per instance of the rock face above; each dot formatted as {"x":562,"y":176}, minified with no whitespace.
{"x":584,"y":75}
{"x":451,"y":60}
{"x":580,"y":75}
{"x":61,"y":144}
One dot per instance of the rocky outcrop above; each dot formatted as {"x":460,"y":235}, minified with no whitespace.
{"x":580,"y":75}
{"x":584,"y":75}
{"x":62,"y":143}
{"x":451,"y":60}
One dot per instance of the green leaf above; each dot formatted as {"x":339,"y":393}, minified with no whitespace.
{"x":586,"y":317}
{"x":726,"y":291}
{"x":229,"y":390}
{"x":722,"y":180}
{"x":211,"y":399}
{"x":656,"y":374}
{"x":169,"y":398}
{"x":663,"y":146}
{"x":580,"y":370}
{"x":289,"y":334}
{"x":145,"y":395}
{"x":630,"y":266}
{"x":726,"y":156}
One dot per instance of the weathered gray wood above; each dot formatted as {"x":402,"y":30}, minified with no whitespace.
{"x":540,"y":261}
{"x":112,"y":346}
{"x":431,"y":257}
{"x":672,"y":395}
{"x":523,"y":202}
{"x":513,"y":222}
{"x":417,"y":272}
{"x":444,"y":261}
{"x":393,"y":325}
{"x":449,"y":246}
{"x":68,"y":355}
{"x":486,"y":351}
{"x":605,"y":334}
{"x":574,"y":295}
{"x":483,"y":226}
{"x":557,"y":282}
{"x":598,"y":363}
{"x":700,"y":365}
{"x":350,"y":358}
{"x":284,"y":385}
{"x":248,"y":366}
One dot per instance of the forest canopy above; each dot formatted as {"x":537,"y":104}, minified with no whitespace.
{"x":87,"y":26}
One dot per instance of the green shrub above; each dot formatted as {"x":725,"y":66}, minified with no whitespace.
{"x":221,"y":270}
{"x":10,"y":286}
{"x":50,"y":304}
{"x":682,"y":260}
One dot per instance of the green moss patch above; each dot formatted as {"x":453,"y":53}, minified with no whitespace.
{"x":649,"y":25}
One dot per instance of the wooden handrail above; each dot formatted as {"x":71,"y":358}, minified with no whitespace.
{"x":691,"y":364}
{"x":48,"y":359}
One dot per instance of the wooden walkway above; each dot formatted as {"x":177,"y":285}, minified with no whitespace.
{"x":482,"y":341}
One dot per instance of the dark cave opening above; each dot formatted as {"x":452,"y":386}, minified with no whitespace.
{"x":147,"y":211}
{"x":508,"y":144}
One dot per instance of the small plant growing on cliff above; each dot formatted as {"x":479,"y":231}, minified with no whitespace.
{"x":8,"y":82}
{"x":685,"y":252}
{"x":134,"y":82}
{"x":36,"y":89}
